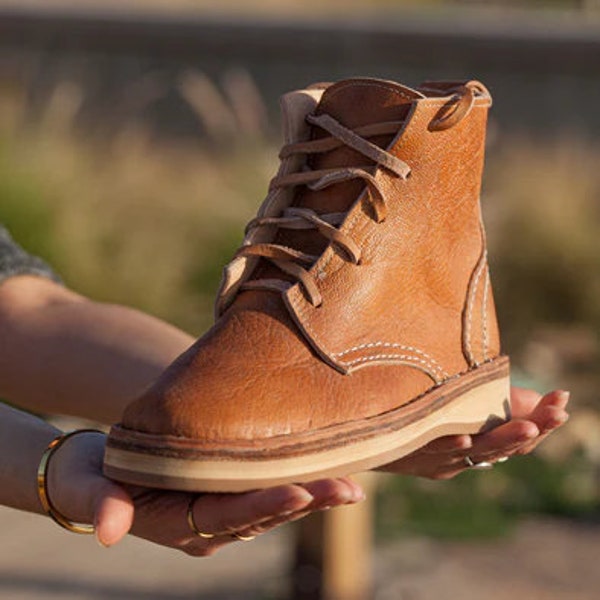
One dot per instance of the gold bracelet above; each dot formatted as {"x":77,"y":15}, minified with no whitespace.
{"x":42,"y":484}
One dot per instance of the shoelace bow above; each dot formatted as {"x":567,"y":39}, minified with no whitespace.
{"x":291,"y":261}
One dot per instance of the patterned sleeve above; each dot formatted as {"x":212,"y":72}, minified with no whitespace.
{"x":15,"y":261}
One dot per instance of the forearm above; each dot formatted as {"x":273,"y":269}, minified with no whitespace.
{"x":62,"y":353}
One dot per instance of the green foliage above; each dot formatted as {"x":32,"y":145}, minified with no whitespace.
{"x":487,"y":504}
{"x":25,"y":208}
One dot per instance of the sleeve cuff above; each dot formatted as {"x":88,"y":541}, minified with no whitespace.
{"x":15,"y":261}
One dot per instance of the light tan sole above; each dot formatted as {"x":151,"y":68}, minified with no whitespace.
{"x":481,"y":406}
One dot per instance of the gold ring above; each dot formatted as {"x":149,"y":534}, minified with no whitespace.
{"x":481,"y":466}
{"x":192,"y":523}
{"x":242,"y":538}
{"x":42,"y":484}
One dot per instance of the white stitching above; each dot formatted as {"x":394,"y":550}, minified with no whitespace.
{"x":433,"y":369}
{"x":410,"y":360}
{"x":484,"y":303}
{"x":431,"y":362}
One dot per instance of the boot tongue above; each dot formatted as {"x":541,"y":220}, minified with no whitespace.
{"x":356,"y":102}
{"x":353,"y":103}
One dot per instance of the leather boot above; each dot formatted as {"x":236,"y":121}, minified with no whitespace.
{"x":356,"y":323}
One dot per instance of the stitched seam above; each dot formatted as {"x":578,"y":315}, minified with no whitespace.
{"x":472,"y":294}
{"x":433,"y":370}
{"x":429,"y":360}
{"x":409,"y":360}
{"x":485,"y":314}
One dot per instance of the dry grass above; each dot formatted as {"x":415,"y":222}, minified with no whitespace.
{"x":129,"y":221}
{"x":543,"y":209}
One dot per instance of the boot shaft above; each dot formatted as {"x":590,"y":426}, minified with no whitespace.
{"x":421,"y":292}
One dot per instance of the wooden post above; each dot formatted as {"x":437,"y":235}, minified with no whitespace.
{"x":334,"y":551}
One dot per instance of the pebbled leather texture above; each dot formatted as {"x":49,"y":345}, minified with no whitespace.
{"x":416,"y":311}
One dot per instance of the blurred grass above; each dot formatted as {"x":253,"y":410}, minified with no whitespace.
{"x":485,"y":505}
{"x":151,"y":224}
{"x":131,"y":221}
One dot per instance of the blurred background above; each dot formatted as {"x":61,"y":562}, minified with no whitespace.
{"x":138,"y":137}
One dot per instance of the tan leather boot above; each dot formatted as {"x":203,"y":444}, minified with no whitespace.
{"x":356,"y":323}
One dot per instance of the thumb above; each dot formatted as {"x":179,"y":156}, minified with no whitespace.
{"x":113,"y":514}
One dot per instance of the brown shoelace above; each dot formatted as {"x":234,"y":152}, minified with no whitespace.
{"x":291,"y":261}
{"x":297,"y":263}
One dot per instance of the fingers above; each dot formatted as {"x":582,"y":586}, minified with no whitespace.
{"x":334,"y":492}
{"x":327,"y":493}
{"x":256,"y":512}
{"x":503,"y":441}
{"x":223,"y":513}
{"x":449,"y":443}
{"x":557,"y":398}
{"x":113,"y":516}
{"x":525,"y":402}
{"x":551,"y":410}
{"x":228,"y":516}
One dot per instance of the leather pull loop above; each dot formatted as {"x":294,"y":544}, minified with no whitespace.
{"x":455,"y":110}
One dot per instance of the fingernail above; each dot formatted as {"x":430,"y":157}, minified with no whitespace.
{"x":97,"y":533}
{"x":360,"y":497}
{"x":528,"y":435}
{"x":357,"y":499}
{"x":100,"y":542}
{"x":564,"y":396}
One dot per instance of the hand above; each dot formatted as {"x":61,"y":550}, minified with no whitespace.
{"x":533,"y":418}
{"x":80,"y":492}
